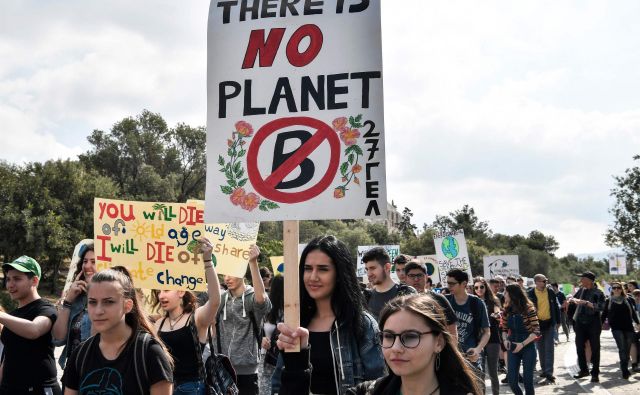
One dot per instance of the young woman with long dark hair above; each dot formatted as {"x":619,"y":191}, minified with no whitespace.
{"x":492,"y":350}
{"x":184,"y":324}
{"x":621,"y":313}
{"x":422,"y":356}
{"x":125,"y":353}
{"x":73,"y":325}
{"x":520,"y":329}
{"x":346,"y":349}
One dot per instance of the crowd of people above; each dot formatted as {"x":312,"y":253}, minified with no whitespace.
{"x":409,"y":336}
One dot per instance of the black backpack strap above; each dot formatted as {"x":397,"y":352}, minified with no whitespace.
{"x":140,"y":349}
{"x":218,"y":342}
{"x":191,"y":321}
{"x":81,"y":356}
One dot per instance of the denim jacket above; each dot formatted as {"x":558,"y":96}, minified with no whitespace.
{"x":354,"y":360}
{"x":77,"y":307}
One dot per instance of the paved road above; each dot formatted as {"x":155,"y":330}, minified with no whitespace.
{"x":611,"y":382}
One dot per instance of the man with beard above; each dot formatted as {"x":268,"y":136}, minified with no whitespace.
{"x":378,"y":265}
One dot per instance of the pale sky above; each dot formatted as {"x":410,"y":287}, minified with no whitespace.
{"x":524,"y":110}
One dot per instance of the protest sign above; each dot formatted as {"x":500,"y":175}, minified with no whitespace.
{"x":157,"y":242}
{"x":231,"y":243}
{"x":277,"y":262}
{"x":451,"y":252}
{"x":431,"y":264}
{"x":295,"y":126}
{"x":392,"y":250}
{"x":501,"y":265}
{"x":618,"y":265}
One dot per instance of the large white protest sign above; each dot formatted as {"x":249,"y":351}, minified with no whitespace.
{"x":392,"y":250}
{"x":431,"y":264}
{"x":618,"y":264}
{"x":451,"y":251}
{"x":501,"y":265}
{"x":295,"y":111}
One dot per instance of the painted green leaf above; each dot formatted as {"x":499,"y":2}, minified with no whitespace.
{"x":232,"y":183}
{"x":242,"y":182}
{"x":226,"y":189}
{"x":228,"y":174}
{"x":351,"y":158}
{"x":241,"y":153}
{"x":359,"y":118}
{"x":240,"y":173}
{"x":343,"y":168}
{"x":237,"y":167}
{"x":230,"y":152}
{"x":356,"y":148}
{"x":220,"y":160}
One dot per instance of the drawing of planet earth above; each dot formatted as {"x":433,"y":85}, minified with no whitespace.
{"x":450,"y":247}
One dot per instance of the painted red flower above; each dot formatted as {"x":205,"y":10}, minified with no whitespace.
{"x":356,"y":168}
{"x":237,"y":196}
{"x":349,"y":136}
{"x":244,"y":129}
{"x":340,"y":124}
{"x":229,"y":142}
{"x":338,"y":193}
{"x":250,"y":201}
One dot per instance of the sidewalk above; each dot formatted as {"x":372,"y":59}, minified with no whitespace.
{"x":611,"y":382}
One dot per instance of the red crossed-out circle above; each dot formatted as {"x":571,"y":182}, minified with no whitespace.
{"x":267,"y":187}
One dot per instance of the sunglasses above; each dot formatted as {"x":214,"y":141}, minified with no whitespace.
{"x":479,"y":287}
{"x":409,"y":339}
{"x":614,"y":288}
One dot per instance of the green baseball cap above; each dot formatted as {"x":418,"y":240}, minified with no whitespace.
{"x":24,"y":264}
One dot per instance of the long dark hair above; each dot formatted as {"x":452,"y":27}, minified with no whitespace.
{"x":347,"y":300}
{"x":454,"y":368}
{"x":489,"y":298}
{"x":136,"y":319}
{"x":83,"y":251}
{"x":276,"y":296}
{"x":518,"y":303}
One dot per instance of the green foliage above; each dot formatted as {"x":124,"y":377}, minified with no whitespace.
{"x":405,"y":226}
{"x":625,"y":230}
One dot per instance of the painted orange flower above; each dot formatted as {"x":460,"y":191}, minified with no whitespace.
{"x":356,"y":168}
{"x":350,"y":136}
{"x":229,"y":142}
{"x":237,"y":197}
{"x":338,"y":193}
{"x":250,"y":201}
{"x":340,"y":124}
{"x":244,"y":128}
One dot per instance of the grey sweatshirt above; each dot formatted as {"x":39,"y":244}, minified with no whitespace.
{"x":237,"y":337}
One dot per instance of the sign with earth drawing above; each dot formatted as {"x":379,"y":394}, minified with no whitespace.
{"x":295,"y":126}
{"x":501,"y":265}
{"x":451,"y":253}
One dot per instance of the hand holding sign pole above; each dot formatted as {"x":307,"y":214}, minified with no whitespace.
{"x":291,"y":233}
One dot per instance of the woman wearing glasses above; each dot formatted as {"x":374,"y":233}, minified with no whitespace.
{"x":492,"y":350}
{"x":343,"y":337}
{"x":520,"y":329}
{"x":620,"y":311}
{"x":422,"y":356}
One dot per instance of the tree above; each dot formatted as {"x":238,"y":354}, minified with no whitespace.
{"x":405,"y":226}
{"x":148,"y":161}
{"x":465,"y":219}
{"x":538,"y":241}
{"x":625,"y":230}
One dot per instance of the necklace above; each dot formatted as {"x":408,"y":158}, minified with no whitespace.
{"x":173,"y":323}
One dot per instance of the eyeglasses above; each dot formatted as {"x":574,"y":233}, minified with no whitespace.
{"x":614,"y":288}
{"x":409,"y":339}
{"x":415,"y":276}
{"x":451,"y":283}
{"x":542,"y":281}
{"x":479,"y":287}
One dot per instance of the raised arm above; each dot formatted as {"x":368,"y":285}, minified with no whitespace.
{"x":206,"y":314}
{"x":256,"y":279}
{"x":61,"y":326}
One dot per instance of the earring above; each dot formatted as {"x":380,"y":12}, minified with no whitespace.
{"x":437,"y":361}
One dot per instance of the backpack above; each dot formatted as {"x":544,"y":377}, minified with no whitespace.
{"x":140,"y":348}
{"x":476,"y":312}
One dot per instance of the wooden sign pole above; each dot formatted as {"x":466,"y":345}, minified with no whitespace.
{"x":291,"y":238}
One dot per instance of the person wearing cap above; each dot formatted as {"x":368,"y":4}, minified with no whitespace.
{"x":28,"y":365}
{"x":546,"y":303}
{"x":589,"y":302}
